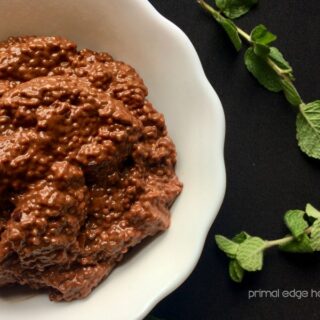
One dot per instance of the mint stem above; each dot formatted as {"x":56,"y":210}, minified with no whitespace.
{"x":244,"y":35}
{"x":278,"y":242}
{"x":282,"y":241}
{"x":215,"y":13}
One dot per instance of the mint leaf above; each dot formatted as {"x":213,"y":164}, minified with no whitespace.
{"x":301,"y":245}
{"x":277,"y":57}
{"x":261,"y":50}
{"x":231,"y":30}
{"x":261,"y":35}
{"x":236,"y":273}
{"x":262,"y":71}
{"x":308,"y":129}
{"x":315,"y":236}
{"x":240,"y":237}
{"x":235,"y":8}
{"x":312,"y":211}
{"x":291,"y":93}
{"x":249,"y":255}
{"x":295,"y":222}
{"x":226,"y":245}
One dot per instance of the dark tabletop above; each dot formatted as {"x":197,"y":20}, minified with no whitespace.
{"x":266,"y":172}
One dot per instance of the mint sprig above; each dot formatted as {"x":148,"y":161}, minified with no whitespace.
{"x":267,"y":64}
{"x":246,"y":252}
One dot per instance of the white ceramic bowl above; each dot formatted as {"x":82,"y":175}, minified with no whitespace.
{"x":133,"y":31}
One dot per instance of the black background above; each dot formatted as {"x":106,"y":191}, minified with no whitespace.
{"x":266,"y":172}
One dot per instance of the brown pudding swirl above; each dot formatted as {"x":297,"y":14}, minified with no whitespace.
{"x":86,"y":165}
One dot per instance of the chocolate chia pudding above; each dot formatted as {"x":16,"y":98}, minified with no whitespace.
{"x":86,"y":165}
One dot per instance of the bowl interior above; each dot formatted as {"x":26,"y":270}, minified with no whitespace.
{"x":134,"y":32}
